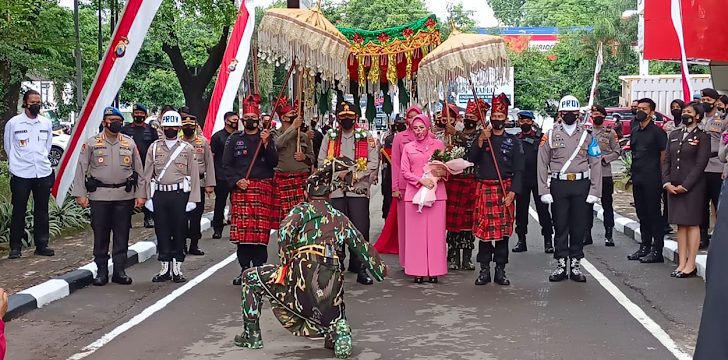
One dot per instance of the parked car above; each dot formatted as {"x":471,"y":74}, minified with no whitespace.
{"x":58,"y":147}
{"x":625,"y":115}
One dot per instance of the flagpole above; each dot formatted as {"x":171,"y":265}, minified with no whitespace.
{"x":676,"y":15}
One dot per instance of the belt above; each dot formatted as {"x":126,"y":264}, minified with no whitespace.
{"x":319,"y":250}
{"x":714,"y":154}
{"x":112,"y":186}
{"x":202,"y":176}
{"x":172,"y":187}
{"x":571,"y":176}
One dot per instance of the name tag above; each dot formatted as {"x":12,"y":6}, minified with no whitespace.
{"x":21,"y":131}
{"x":529,"y":140}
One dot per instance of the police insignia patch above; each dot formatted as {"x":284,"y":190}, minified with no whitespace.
{"x":83,"y":147}
{"x":127,"y":160}
{"x":199,"y":150}
{"x":181,"y":166}
{"x":101,"y":160}
{"x":544,"y":139}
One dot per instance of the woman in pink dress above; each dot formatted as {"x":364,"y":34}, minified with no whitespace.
{"x":424,"y":238}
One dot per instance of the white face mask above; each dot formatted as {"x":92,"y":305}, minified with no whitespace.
{"x":460,"y":126}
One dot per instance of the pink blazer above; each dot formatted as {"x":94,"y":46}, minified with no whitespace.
{"x":415,"y":156}
{"x":399,"y":183}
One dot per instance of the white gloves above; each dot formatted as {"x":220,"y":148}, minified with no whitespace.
{"x":591,"y":199}
{"x":190,"y":206}
{"x":149,"y":205}
{"x":547,"y":199}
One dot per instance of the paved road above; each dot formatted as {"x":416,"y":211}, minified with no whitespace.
{"x":395,"y":319}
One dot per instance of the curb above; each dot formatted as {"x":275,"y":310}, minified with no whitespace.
{"x":61,"y":286}
{"x":631,"y":229}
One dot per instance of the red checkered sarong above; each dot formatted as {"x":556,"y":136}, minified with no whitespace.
{"x":251,"y":215}
{"x":288,"y":191}
{"x":460,"y":203}
{"x":492,"y":220}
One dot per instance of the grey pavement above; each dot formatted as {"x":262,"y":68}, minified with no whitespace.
{"x":394,"y":319}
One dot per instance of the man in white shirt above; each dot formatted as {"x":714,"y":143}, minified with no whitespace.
{"x":28,"y":138}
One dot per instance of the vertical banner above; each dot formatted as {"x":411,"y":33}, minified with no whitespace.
{"x":128,"y":37}
{"x":677,"y":23}
{"x":593,"y":92}
{"x":232,"y":69}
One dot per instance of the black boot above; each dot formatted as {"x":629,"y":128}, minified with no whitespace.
{"x":42,"y":249}
{"x":608,"y":241}
{"x":362,"y":277}
{"x":15,"y":254}
{"x":588,"y":238}
{"x":655,"y":256}
{"x":102,"y":278}
{"x":484,"y":276}
{"x":704,"y":239}
{"x":177,"y":275}
{"x":165,"y":274}
{"x":560,"y":273}
{"x":521,"y":244}
{"x":548,"y":244}
{"x":217,"y":234}
{"x":642,"y":252}
{"x":239,"y":280}
{"x":575,"y":273}
{"x":467,"y":260}
{"x":453,"y":258}
{"x":194,"y":248}
{"x":120,"y":277}
{"x":148,"y":221}
{"x":500,"y":275}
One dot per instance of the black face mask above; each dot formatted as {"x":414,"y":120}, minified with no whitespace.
{"x":139,"y":119}
{"x":498,"y":124}
{"x":526,"y":127}
{"x":598,"y":120}
{"x":708,"y":107}
{"x":251,"y":124}
{"x":170,"y":133}
{"x":470,"y":124}
{"x":721,"y":109}
{"x":634,"y":111}
{"x":440,"y":125}
{"x":640,"y":116}
{"x":677,"y":116}
{"x":687,"y":119}
{"x":114,"y":127}
{"x":569,"y":118}
{"x":347,"y":124}
{"x":233,"y":125}
{"x":188,"y":132}
{"x":401,"y":127}
{"x":313,"y":125}
{"x":34,"y":109}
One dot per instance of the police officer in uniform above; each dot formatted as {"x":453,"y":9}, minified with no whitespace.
{"x":714,"y":125}
{"x":571,"y":157}
{"x":530,"y":137}
{"x":609,"y":145}
{"x":144,"y":135}
{"x":108,"y":178}
{"x":206,"y":167}
{"x":171,"y":174}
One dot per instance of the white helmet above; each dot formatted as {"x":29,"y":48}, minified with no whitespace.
{"x":569,"y":103}
{"x":171,"y":118}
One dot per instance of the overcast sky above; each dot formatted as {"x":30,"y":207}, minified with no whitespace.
{"x":479,"y":9}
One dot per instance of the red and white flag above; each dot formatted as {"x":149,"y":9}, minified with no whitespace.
{"x":597,"y":70}
{"x":676,"y":14}
{"x":231,"y":70}
{"x":125,"y":43}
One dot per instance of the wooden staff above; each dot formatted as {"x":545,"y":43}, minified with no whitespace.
{"x":255,"y":70}
{"x":447,"y":110}
{"x":299,"y":97}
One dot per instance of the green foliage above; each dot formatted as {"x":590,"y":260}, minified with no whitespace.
{"x":381,"y":14}
{"x":462,"y":20}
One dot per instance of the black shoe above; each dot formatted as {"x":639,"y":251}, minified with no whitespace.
{"x":467,"y":263}
{"x":238,"y":280}
{"x":165,"y":274}
{"x":642,"y":252}
{"x":668,"y":230}
{"x":432,"y":279}
{"x":608,"y":239}
{"x":120,"y":278}
{"x":653,"y":257}
{"x":15,"y":254}
{"x":149,"y":223}
{"x":453,"y":259}
{"x":560,"y":273}
{"x":575,"y":274}
{"x":682,"y":275}
{"x":484,"y":276}
{"x":102,"y":278}
{"x":177,"y":275}
{"x":588,"y":239}
{"x":548,"y":244}
{"x":194,"y":249}
{"x":217,"y":235}
{"x":362,"y":277}
{"x":500,"y":275}
{"x":521,"y":244}
{"x":419,"y":279}
{"x":44,"y":251}
{"x":674,"y":273}
{"x":704,"y":239}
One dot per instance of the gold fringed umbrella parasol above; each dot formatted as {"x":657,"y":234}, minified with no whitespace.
{"x":462,"y":59}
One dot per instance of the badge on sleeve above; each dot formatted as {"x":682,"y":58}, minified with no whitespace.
{"x":22,"y":143}
{"x":594,"y":149}
{"x":544,"y":139}
{"x":101,"y":160}
{"x":83,"y":148}
{"x":127,"y":160}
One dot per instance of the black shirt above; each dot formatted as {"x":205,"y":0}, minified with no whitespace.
{"x":239,"y":151}
{"x":144,"y":135}
{"x":217,"y":145}
{"x":646,"y":145}
{"x":530,"y":142}
{"x":510,"y":160}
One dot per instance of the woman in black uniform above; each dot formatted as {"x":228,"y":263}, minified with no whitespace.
{"x":686,"y":156}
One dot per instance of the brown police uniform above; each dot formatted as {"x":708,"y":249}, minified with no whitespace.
{"x":609,"y":145}
{"x":206,"y":170}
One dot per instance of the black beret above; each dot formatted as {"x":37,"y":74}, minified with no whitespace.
{"x":711,"y":93}
{"x":599,"y":108}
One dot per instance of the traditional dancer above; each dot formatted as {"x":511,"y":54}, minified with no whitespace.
{"x":306,"y":290}
{"x":357,"y":144}
{"x":494,"y":210}
{"x":295,"y":158}
{"x":444,"y":128}
{"x":460,"y":200}
{"x":251,"y":177}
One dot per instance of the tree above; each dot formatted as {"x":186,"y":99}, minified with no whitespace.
{"x":508,"y":12}
{"x":382,"y":14}
{"x":458,"y":17}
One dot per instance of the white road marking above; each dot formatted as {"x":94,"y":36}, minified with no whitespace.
{"x":631,"y":307}
{"x":159,"y":305}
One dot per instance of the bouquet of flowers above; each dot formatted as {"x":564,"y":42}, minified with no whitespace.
{"x":449,"y":161}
